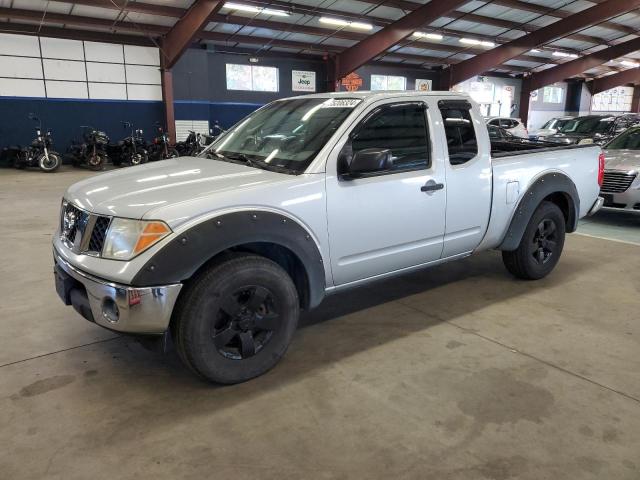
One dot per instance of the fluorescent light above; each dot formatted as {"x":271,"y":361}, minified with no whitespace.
{"x":252,"y":9}
{"x":430,"y":36}
{"x":345,"y":23}
{"x":535,"y":50}
{"x":564,"y":54}
{"x":473,"y":41}
{"x":627,"y":63}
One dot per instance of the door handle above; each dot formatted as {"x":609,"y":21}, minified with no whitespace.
{"x":431,"y":186}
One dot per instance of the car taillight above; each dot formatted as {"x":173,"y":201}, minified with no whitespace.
{"x":600,"y":168}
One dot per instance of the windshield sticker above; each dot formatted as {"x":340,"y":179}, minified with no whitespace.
{"x":341,"y":103}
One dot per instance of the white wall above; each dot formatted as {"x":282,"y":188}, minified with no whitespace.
{"x":60,"y":68}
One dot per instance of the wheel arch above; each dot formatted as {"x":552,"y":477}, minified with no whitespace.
{"x":555,"y":187}
{"x":269,"y":234}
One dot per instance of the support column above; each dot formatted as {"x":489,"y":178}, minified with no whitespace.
{"x":635,"y":101}
{"x":167,"y":100}
{"x":525,"y":97}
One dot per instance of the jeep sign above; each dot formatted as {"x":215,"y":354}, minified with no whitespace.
{"x":302,"y":81}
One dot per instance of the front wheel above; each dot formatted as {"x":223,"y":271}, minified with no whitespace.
{"x":138,"y":157}
{"x":541,"y":244}
{"x":236,"y":319}
{"x":96,"y":162}
{"x":50,"y":162}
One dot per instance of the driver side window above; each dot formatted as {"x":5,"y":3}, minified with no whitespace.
{"x":400,"y":128}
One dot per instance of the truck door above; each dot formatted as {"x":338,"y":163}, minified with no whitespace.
{"x":468,"y":177}
{"x":387,"y":219}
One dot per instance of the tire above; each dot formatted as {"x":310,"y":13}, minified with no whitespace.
{"x":541,"y":245}
{"x":173,"y":153}
{"x":236,"y":319}
{"x":96,"y":162}
{"x":51,"y":164}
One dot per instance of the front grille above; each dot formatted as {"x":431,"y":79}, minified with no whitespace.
{"x":81,"y":231}
{"x":617,"y":182}
{"x":98,"y":234}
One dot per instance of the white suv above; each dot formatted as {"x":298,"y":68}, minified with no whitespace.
{"x":513,"y":125}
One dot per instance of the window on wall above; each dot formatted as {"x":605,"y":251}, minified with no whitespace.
{"x":552,"y":95}
{"x":388,"y":82}
{"x":252,"y":77}
{"x":614,"y":100}
{"x":63,"y":68}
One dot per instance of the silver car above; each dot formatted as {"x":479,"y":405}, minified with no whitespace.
{"x":621,"y":185}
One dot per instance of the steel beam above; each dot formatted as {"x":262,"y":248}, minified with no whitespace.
{"x":626,"y":77}
{"x":375,"y":44}
{"x":496,"y":56}
{"x":167,"y":100}
{"x":72,"y":34}
{"x":579,"y":65}
{"x":176,"y":41}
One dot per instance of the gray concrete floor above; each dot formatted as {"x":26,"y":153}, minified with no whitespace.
{"x":460,"y":372}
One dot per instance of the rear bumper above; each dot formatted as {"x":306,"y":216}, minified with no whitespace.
{"x":596,"y":206}
{"x":145,"y":310}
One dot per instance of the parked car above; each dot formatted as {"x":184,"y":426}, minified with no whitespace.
{"x":621,"y":185}
{"x":306,"y":197}
{"x":39,"y":154}
{"x":549,"y":128}
{"x":598,"y":129}
{"x":502,"y":140}
{"x":511,"y":125}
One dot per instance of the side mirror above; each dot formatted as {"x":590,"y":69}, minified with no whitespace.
{"x":370,"y":160}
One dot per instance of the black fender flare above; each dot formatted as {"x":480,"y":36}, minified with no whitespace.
{"x":179,"y":259}
{"x":544,"y":186}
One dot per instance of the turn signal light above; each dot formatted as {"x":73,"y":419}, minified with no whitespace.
{"x":152,"y":232}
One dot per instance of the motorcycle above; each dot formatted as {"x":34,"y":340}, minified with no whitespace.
{"x":92,"y":152}
{"x":190,"y":146}
{"x":38,"y":154}
{"x":132,"y":150}
{"x":160,"y":149}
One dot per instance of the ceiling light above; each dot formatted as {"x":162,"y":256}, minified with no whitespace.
{"x":535,"y":50}
{"x":564,"y":54}
{"x":627,"y":63}
{"x":252,"y":9}
{"x":473,"y":41}
{"x":430,"y":36}
{"x":345,"y":23}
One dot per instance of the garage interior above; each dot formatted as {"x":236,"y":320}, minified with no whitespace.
{"x":455,"y":372}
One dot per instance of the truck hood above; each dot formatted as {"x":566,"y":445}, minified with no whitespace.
{"x":624,"y":160}
{"x":133,"y":191}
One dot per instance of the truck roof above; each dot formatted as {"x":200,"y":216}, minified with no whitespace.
{"x":371,"y":94}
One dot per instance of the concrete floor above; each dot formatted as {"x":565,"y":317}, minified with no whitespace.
{"x":460,"y":372}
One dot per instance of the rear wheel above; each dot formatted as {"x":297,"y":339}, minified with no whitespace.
{"x":541,"y":244}
{"x":236,"y":319}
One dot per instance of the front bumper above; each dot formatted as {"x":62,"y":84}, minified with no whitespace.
{"x":139,"y":310}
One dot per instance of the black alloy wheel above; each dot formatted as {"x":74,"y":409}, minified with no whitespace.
{"x":544,"y":241}
{"x":245,"y":322}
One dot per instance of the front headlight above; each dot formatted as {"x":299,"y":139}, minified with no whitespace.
{"x":126,"y":238}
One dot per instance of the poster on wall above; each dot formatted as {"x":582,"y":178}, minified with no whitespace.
{"x":303,"y":81}
{"x":352,"y":82}
{"x":423,"y":85}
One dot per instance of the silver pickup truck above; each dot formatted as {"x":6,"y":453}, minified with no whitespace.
{"x":305,"y":197}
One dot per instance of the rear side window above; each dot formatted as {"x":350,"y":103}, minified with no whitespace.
{"x":401,"y":128}
{"x":495,"y":122}
{"x":458,"y":126}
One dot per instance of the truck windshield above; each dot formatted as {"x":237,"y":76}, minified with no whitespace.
{"x":587,"y":125}
{"x":285,"y":135}
{"x":629,"y":140}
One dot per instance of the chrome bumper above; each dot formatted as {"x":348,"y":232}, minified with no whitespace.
{"x":144,"y":310}
{"x":596,"y":206}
